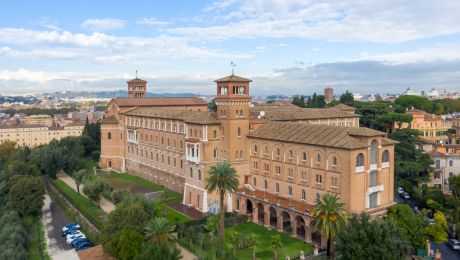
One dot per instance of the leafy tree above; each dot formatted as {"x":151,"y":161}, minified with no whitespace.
{"x":370,"y":111}
{"x":275,"y":245}
{"x":78,"y":177}
{"x":13,"y":236}
{"x":328,"y":217}
{"x":347,"y":98}
{"x":7,"y":149}
{"x":316,"y":101}
{"x":412,"y":225}
{"x":159,"y":230}
{"x":130,"y":243}
{"x":235,"y":241}
{"x":26,"y":195}
{"x":390,"y":119}
{"x":94,"y":190}
{"x":253,"y":243}
{"x":124,"y":217}
{"x":118,"y":195}
{"x":410,"y":160}
{"x":366,"y":239}
{"x":454,"y":183}
{"x":160,"y":251}
{"x":438,"y":230}
{"x":212,"y":224}
{"x":298,"y":101}
{"x":409,"y":101}
{"x":212,"y":106}
{"x":222,"y":179}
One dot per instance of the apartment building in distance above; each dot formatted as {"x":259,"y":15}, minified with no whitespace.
{"x":34,"y":135}
{"x":285,"y":157}
{"x":432,"y":128}
{"x":44,"y":120}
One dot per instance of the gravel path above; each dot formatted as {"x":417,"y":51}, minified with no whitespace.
{"x":54,"y":218}
{"x":106,"y":205}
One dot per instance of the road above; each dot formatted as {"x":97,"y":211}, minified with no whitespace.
{"x":54,"y":218}
{"x":446,"y":251}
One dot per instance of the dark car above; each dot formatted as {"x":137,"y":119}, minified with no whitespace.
{"x":81,"y":241}
{"x":84,"y":245}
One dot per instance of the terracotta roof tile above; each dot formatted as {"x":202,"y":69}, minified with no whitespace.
{"x":294,"y":114}
{"x":321,"y":135}
{"x":146,"y":102}
{"x":233,"y":78}
{"x":136,"y":80}
{"x":193,"y":117}
{"x":109,"y":120}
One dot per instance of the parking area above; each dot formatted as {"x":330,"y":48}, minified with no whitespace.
{"x":54,"y":218}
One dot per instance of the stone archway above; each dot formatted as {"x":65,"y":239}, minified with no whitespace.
{"x":260,"y":213}
{"x":301,"y":227}
{"x":273,"y":218}
{"x":287,"y":225}
{"x":249,"y":207}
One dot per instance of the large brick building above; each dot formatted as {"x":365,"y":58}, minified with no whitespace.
{"x":285,"y":156}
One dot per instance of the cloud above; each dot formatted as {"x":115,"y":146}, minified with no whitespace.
{"x":151,"y":21}
{"x":368,"y":21}
{"x":100,"y":47}
{"x":47,"y":23}
{"x":103,"y":24}
{"x":221,"y":4}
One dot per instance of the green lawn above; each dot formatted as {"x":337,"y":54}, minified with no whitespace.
{"x":36,"y":236}
{"x":88,"y":208}
{"x":292,"y":246}
{"x":127,"y":181}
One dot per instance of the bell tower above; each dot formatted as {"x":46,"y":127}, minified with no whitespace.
{"x":232,"y":102}
{"x":137,"y":88}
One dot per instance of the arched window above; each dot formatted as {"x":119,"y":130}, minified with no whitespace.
{"x":239,"y":131}
{"x":303,"y":195}
{"x":191,"y":172}
{"x":181,"y":164}
{"x":109,"y":135}
{"x":255,"y":148}
{"x":277,"y":187}
{"x":318,"y":158}
{"x":214,"y":134}
{"x":265,"y":184}
{"x":169,"y":161}
{"x":216,"y":152}
{"x":334,"y":161}
{"x":278,"y":152}
{"x":199,"y":175}
{"x":241,"y":155}
{"x":360,"y":160}
{"x":304,"y":157}
{"x":266,"y":150}
{"x":291,"y":154}
{"x":386,"y":156}
{"x":374,"y":146}
{"x":290,"y":191}
{"x":254,"y":181}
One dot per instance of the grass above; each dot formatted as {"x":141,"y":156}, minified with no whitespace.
{"x":90,"y":210}
{"x":37,"y":241}
{"x":127,"y":181}
{"x":292,"y":246}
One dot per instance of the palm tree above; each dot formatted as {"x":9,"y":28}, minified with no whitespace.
{"x":328,"y":218}
{"x":235,"y":241}
{"x":222,"y":179}
{"x":275,"y":245}
{"x":253,"y":242}
{"x":78,"y":178}
{"x":159,"y":230}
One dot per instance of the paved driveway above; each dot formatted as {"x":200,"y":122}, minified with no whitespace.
{"x":54,"y":218}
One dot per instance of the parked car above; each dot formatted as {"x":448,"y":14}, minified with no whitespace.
{"x":416,"y":210}
{"x":454,"y":244}
{"x":81,"y":242}
{"x":84,"y":245}
{"x":400,"y":190}
{"x":406,"y":195}
{"x":74,"y":237}
{"x":69,"y":231}
{"x":71,"y":226}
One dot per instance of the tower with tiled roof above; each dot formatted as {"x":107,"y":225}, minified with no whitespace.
{"x":137,"y":88}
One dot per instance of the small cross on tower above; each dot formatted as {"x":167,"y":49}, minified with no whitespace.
{"x":233,"y":65}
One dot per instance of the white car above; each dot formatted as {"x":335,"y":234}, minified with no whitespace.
{"x":75,"y":236}
{"x":400,"y":190}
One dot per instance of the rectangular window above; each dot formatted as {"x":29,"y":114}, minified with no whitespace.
{"x":438,"y":164}
{"x":319,"y":178}
{"x":373,"y":178}
{"x":373,"y":200}
{"x":304,"y":176}
{"x":451,"y":163}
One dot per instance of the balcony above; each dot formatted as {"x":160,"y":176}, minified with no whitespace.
{"x":193,"y":152}
{"x":375,"y":188}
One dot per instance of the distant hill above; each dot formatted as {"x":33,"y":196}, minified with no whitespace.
{"x":111,"y":94}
